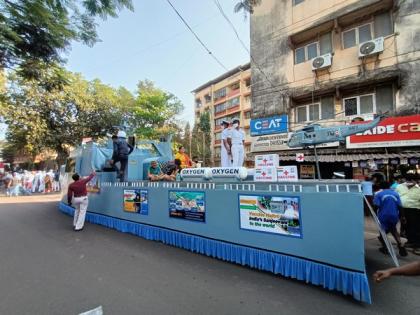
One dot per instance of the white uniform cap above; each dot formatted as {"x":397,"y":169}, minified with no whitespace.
{"x":225,"y":121}
{"x":121,"y":134}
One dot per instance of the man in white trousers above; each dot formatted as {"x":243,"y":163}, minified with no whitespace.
{"x":237,"y":136}
{"x":77,"y":196}
{"x":225,"y":152}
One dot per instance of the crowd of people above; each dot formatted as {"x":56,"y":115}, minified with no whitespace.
{"x":29,"y":182}
{"x":399,"y":202}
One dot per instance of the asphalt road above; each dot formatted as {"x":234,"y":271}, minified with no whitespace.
{"x":46,"y":268}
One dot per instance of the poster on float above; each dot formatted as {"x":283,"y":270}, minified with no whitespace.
{"x":271,"y":214}
{"x":93,"y":185}
{"x":136,"y":201}
{"x":187,"y":205}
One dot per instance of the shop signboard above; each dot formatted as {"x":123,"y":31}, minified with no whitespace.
{"x":287,"y":173}
{"x":271,"y":214}
{"x":307,"y":171}
{"x":270,"y":143}
{"x":187,"y":205}
{"x":403,"y":161}
{"x":390,"y":132}
{"x":269,"y":125}
{"x":136,"y":201}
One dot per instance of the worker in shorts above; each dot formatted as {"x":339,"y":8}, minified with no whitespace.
{"x":78,"y":197}
{"x":225,"y":152}
{"x":237,"y":138}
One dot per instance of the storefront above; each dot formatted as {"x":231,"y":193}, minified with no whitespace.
{"x":393,"y":147}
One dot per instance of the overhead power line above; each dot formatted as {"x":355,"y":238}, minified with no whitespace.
{"x":222,"y":12}
{"x":196,"y":36}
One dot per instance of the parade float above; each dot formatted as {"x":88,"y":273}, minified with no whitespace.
{"x":311,"y":231}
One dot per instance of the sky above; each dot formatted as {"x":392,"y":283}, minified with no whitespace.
{"x":153,"y":43}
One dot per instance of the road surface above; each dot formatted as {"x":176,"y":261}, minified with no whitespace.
{"x":46,"y":268}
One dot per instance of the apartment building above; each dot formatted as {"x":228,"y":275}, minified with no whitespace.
{"x":331,"y":61}
{"x":226,"y":97}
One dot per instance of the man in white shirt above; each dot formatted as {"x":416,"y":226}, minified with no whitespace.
{"x":225,"y":152}
{"x":237,"y":136}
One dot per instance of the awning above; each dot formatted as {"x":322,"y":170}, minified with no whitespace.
{"x":330,"y":158}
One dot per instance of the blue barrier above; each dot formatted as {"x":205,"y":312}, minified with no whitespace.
{"x":316,"y":248}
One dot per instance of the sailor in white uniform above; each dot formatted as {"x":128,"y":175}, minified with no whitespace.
{"x":237,"y":139}
{"x":225,"y":153}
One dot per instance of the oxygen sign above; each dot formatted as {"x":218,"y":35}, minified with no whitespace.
{"x":269,"y":125}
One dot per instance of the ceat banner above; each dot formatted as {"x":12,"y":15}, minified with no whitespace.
{"x":390,"y":132}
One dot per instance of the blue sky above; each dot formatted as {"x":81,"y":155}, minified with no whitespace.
{"x":153,"y":43}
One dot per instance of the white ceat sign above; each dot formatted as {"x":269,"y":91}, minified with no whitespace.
{"x":265,"y":174}
{"x":287,"y":173}
{"x":266,"y":160}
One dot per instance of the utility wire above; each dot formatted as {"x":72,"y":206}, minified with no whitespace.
{"x":222,"y":12}
{"x":196,"y":36}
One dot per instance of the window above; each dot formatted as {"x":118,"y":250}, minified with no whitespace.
{"x":358,"y":105}
{"x":314,"y":49}
{"x":312,"y":112}
{"x":232,"y":102}
{"x":218,"y":136}
{"x":357,"y":35}
{"x":247,"y":115}
{"x":207,"y":98}
{"x":219,"y":108}
{"x":296,"y":2}
{"x":234,"y":86}
{"x":383,"y":24}
{"x":220,"y":93}
{"x":197,"y":103}
{"x":248,"y":82}
{"x":384,"y":98}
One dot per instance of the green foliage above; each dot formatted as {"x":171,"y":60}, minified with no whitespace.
{"x":46,"y":114}
{"x":35,"y":32}
{"x":154,"y":112}
{"x":201,"y":139}
{"x":246,"y":6}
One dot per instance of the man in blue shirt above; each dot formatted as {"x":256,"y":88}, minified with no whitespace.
{"x":388,"y":203}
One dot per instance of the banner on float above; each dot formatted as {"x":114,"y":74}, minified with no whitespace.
{"x":136,"y":201}
{"x":287,"y":173}
{"x":187,"y":205}
{"x":93,"y":186}
{"x":266,"y":160}
{"x":265,"y":174}
{"x":270,"y":214}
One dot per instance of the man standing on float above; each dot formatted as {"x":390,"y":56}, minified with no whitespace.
{"x":225,"y":152}
{"x":237,"y":136}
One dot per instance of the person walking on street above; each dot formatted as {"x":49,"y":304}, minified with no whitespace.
{"x":77,"y":196}
{"x":237,"y":136}
{"x":410,"y":197}
{"x":226,"y":153}
{"x":122,"y":150}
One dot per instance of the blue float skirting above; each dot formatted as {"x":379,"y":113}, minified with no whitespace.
{"x":332,"y":278}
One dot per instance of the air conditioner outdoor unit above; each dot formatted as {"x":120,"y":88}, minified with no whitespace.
{"x":321,"y":62}
{"x":371,"y":47}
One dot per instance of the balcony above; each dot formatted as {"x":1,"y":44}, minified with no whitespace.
{"x":234,"y":92}
{"x":233,"y":109}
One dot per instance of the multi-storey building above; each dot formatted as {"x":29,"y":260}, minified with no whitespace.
{"x":329,"y":61}
{"x":226,"y":97}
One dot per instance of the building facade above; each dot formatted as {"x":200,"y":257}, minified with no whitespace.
{"x":331,"y":61}
{"x":226,"y":97}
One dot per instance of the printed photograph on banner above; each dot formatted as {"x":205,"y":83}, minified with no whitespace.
{"x":270,"y":214}
{"x":93,"y":186}
{"x":136,"y":201}
{"x":187,"y":205}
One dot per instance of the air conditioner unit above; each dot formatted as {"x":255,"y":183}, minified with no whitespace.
{"x":321,"y":62}
{"x":371,"y":47}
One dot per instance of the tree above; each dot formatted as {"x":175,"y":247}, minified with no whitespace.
{"x":37,"y":32}
{"x":154,"y":113}
{"x":42,"y":114}
{"x":187,"y":138}
{"x":246,"y":6}
{"x":201,"y":139}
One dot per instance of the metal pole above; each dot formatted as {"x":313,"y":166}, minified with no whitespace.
{"x":317,"y":163}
